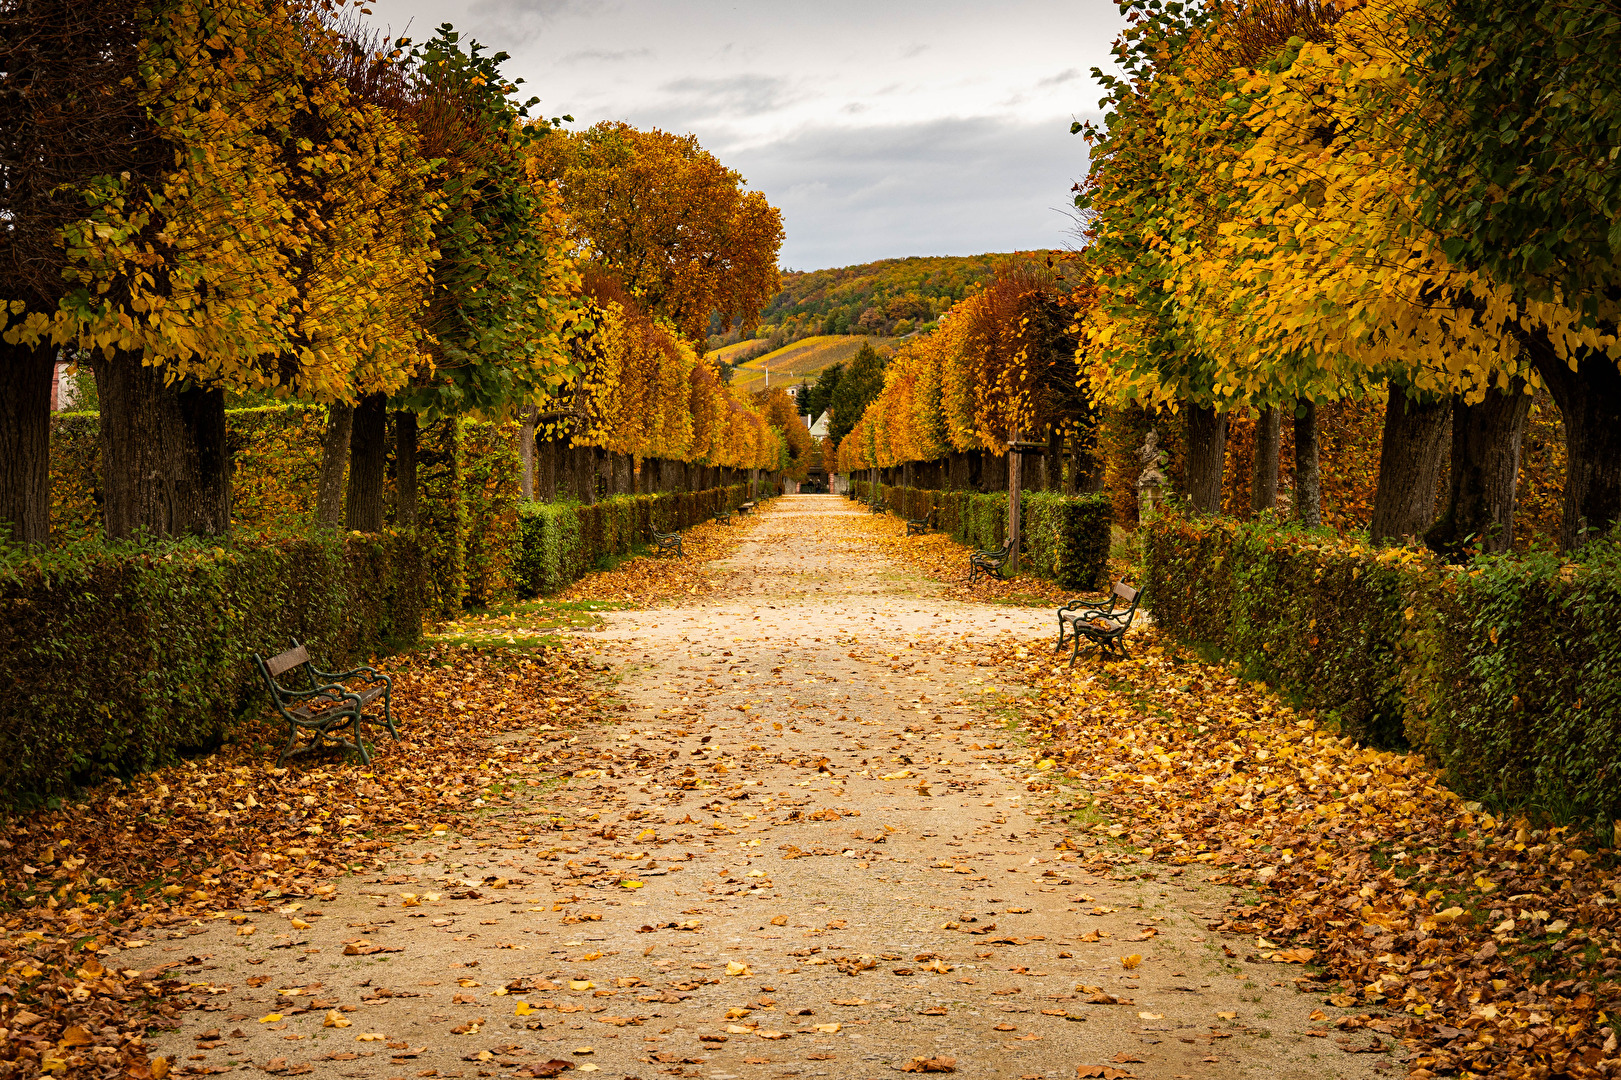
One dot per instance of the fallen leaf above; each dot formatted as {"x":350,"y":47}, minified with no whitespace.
{"x":931,"y":1065}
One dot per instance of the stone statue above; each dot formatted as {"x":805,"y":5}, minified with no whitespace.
{"x":1152,"y":483}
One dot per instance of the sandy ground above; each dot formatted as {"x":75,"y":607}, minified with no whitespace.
{"x":816,"y":854}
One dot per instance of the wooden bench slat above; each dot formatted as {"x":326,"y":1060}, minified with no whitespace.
{"x":276,"y":665}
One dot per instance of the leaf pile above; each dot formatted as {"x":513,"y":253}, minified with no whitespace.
{"x":148,"y":859}
{"x":1487,"y":946}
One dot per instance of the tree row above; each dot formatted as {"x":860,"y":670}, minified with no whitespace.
{"x":206,"y":200}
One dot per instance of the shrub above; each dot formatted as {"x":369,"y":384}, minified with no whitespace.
{"x":116,"y":658}
{"x":490,"y":479}
{"x":558,"y":543}
{"x":1506,"y":671}
{"x":1066,"y":537}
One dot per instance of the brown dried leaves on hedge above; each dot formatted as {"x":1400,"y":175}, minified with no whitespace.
{"x":133,"y":862}
{"x":1488,"y":945}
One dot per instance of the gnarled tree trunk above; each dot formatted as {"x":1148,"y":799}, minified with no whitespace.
{"x":1589,"y":400}
{"x":165,"y":465}
{"x":1268,"y":445}
{"x":547,"y":453}
{"x":340,"y":419}
{"x":1308,"y":475}
{"x":1207,"y":457}
{"x":25,"y":441}
{"x":1409,"y":466}
{"x":368,"y":465}
{"x":1485,"y":473}
{"x":526,"y":455}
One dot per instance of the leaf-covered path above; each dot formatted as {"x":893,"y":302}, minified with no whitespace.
{"x":810,"y":844}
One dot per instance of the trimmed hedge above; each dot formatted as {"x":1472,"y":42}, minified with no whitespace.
{"x":1066,"y":537}
{"x":467,"y":500}
{"x":113,"y":659}
{"x":1506,"y":671}
{"x":558,"y":543}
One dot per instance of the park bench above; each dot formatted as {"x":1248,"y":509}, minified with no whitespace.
{"x":922,"y":524}
{"x":724,"y":517}
{"x":877,"y":506}
{"x":324,"y":705}
{"x":988,"y":563}
{"x":1104,"y":626}
{"x":668,"y":542}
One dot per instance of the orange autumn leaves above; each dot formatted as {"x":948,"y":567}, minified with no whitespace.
{"x":1360,"y":862}
{"x":648,"y":394}
{"x":1002,"y":361}
{"x":137,"y":861}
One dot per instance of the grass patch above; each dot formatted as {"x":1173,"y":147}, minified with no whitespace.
{"x":523,"y":624}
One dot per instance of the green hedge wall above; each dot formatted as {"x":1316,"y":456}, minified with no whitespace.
{"x":1066,"y":537}
{"x":1506,"y":671}
{"x":467,"y":508}
{"x":113,"y":658}
{"x":558,"y":543}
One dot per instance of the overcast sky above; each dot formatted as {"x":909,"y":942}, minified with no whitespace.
{"x":881,"y":128}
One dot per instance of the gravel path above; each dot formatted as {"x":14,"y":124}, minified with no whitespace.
{"x":816,"y":854}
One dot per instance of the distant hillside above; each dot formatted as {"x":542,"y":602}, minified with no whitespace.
{"x":802,"y":360}
{"x":891,"y":297}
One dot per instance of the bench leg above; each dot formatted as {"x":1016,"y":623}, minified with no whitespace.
{"x":1060,"y":646}
{"x":388,"y":714}
{"x":292,"y":740}
{"x":1075,"y":649}
{"x":360,"y":741}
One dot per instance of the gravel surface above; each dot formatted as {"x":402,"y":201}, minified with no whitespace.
{"x":824,"y":859}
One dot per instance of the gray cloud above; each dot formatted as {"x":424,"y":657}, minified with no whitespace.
{"x":881,"y":129}
{"x":734,"y":95}
{"x":946,"y":187}
{"x":511,"y":24}
{"x":604,"y":56}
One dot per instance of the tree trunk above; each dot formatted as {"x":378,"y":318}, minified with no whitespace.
{"x":1268,"y":445}
{"x":1409,"y":466}
{"x":1589,"y":400}
{"x":546,"y":455}
{"x":25,"y":441}
{"x":526,"y":455}
{"x":624,"y":474}
{"x":1015,"y":471}
{"x":1207,"y":457}
{"x":993,"y":473}
{"x":165,"y":465}
{"x":1052,"y":462}
{"x":368,"y":465}
{"x":1308,"y":476}
{"x":340,"y":418}
{"x":405,"y":467}
{"x":604,"y":482}
{"x":1485,"y":472}
{"x":580,"y":479}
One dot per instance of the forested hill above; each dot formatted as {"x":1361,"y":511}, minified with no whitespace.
{"x":888,"y":297}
